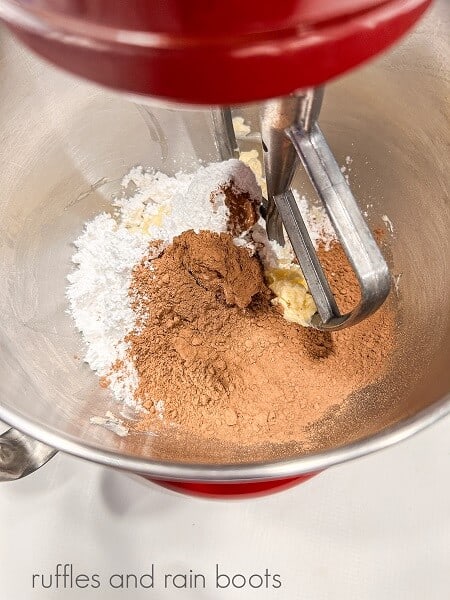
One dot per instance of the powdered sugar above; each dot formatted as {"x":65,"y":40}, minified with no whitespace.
{"x":98,"y":290}
{"x":111,"y":422}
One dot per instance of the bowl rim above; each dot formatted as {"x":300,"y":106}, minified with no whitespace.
{"x":231,"y":473}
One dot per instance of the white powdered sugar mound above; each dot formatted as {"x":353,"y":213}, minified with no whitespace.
{"x":98,"y":290}
{"x":98,"y":294}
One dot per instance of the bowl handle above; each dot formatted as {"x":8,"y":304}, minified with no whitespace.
{"x":21,"y":455}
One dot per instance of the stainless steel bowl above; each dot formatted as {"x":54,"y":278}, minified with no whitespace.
{"x":64,"y":147}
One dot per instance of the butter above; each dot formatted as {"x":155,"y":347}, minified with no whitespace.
{"x":241,"y":129}
{"x":292,"y":295}
{"x":143,"y":222}
{"x":251,"y":159}
{"x":155,"y":220}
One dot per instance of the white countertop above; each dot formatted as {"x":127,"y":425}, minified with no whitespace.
{"x":375,"y":529}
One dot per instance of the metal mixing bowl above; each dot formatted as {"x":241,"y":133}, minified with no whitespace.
{"x":64,"y":147}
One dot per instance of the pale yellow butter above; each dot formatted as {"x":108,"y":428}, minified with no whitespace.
{"x":251,"y":159}
{"x":292,"y":295}
{"x":144,"y":222}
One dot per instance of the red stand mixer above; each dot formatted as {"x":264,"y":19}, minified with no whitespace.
{"x":220,"y":54}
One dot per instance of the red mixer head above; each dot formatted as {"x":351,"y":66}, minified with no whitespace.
{"x":210,"y":51}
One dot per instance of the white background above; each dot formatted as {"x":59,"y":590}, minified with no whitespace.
{"x":374,"y":529}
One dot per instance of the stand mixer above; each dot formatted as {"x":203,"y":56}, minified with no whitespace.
{"x":64,"y":144}
{"x":209,"y":53}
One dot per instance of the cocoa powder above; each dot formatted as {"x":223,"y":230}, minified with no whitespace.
{"x":243,"y":210}
{"x":217,"y":265}
{"x":225,"y":363}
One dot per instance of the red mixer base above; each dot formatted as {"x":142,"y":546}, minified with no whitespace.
{"x":230,"y":491}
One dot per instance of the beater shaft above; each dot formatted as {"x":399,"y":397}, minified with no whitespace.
{"x":280,"y":156}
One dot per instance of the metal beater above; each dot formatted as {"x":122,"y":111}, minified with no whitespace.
{"x":289,"y":130}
